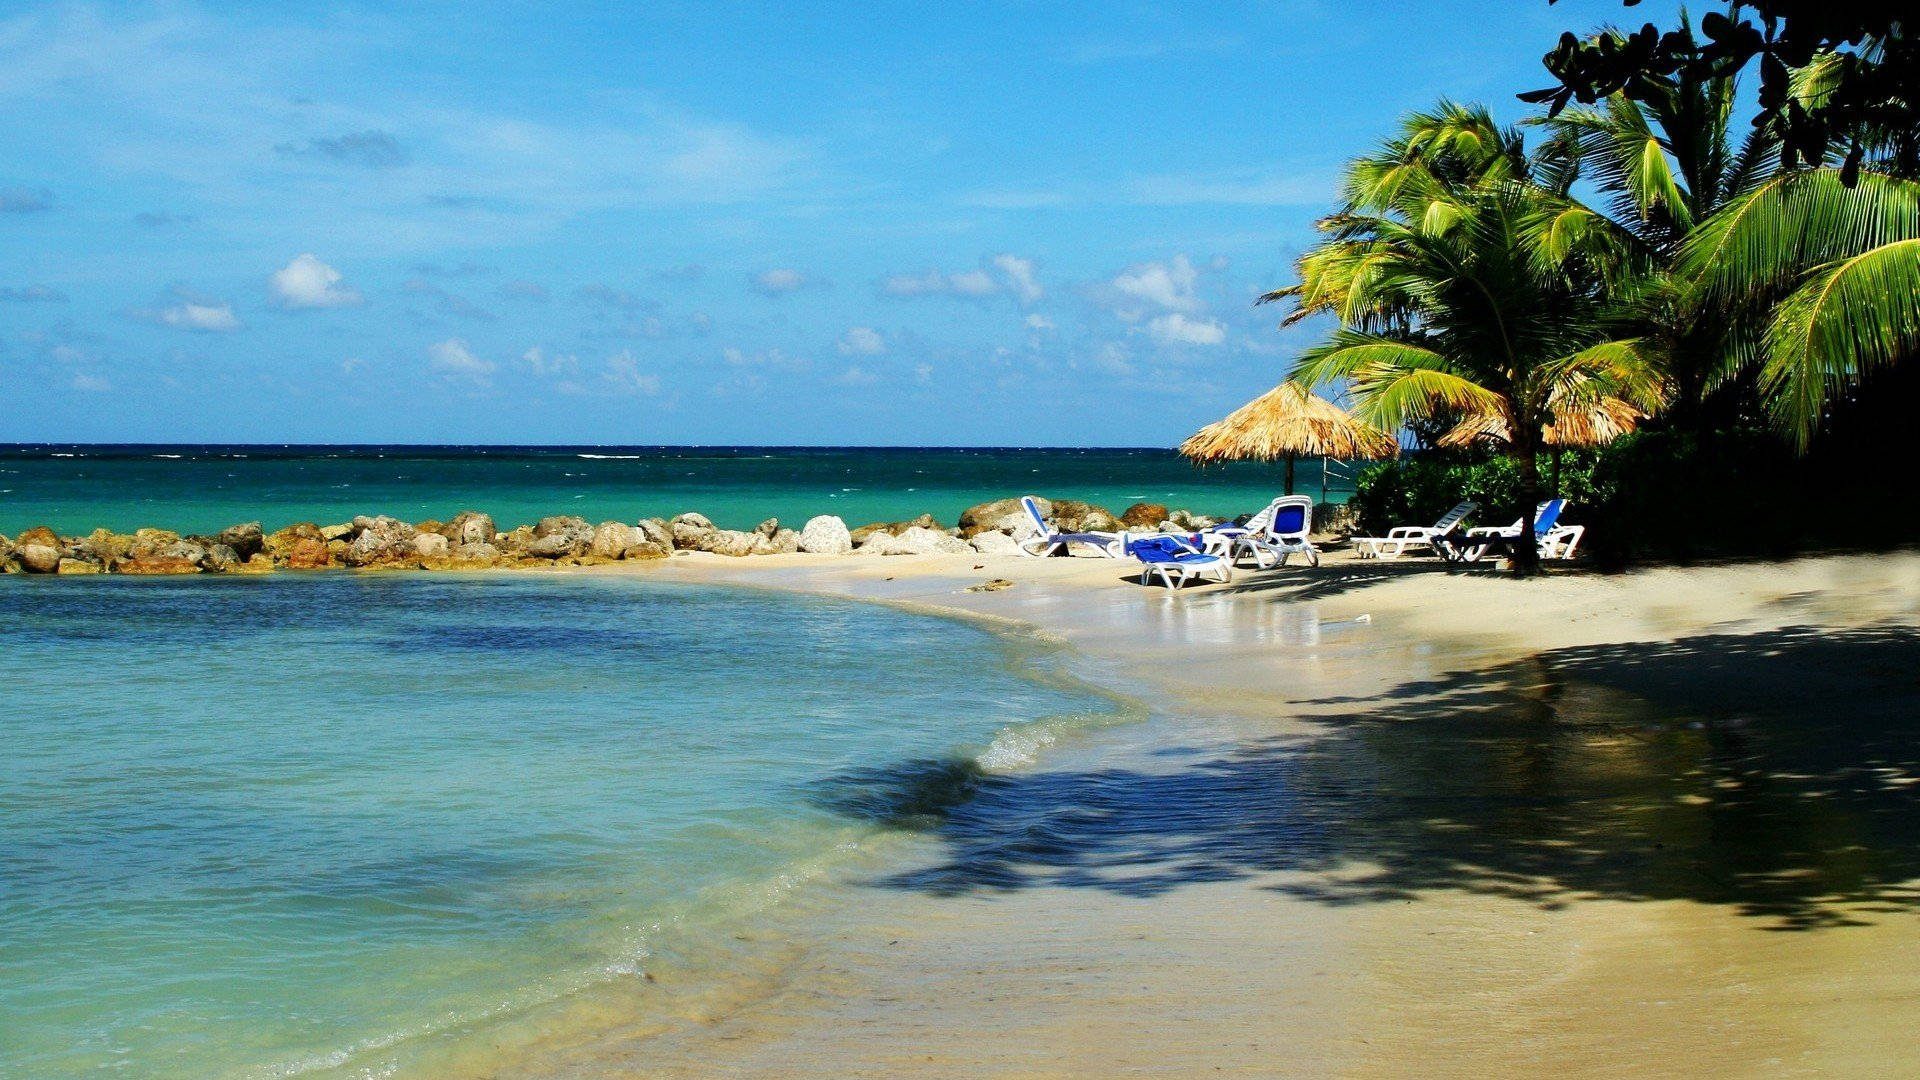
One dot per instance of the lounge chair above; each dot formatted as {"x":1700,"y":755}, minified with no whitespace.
{"x":1046,"y":541}
{"x":1552,"y":539}
{"x":1401,"y":537}
{"x":1175,"y":560}
{"x":1282,"y":531}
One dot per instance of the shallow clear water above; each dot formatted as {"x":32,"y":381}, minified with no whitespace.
{"x":75,"y":489}
{"x":265,"y":827}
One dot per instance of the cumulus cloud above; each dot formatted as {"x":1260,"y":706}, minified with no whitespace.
{"x":21,"y":200}
{"x":91,"y":384}
{"x":196,"y":314}
{"x":1004,"y":273}
{"x":1039,"y":323}
{"x":862,"y":341}
{"x":780,"y":281}
{"x":370,"y":149}
{"x":453,"y":358}
{"x":623,"y":376}
{"x":540,"y":362}
{"x":1019,"y":275}
{"x":306,"y":282}
{"x":1178,"y":329}
{"x":1169,"y":284}
{"x":32,"y":294}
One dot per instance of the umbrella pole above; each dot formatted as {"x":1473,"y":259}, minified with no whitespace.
{"x":1289,"y":474}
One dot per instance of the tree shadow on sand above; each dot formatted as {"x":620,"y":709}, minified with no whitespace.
{"x":1777,"y":773}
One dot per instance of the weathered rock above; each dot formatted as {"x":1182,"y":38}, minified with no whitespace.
{"x":516,"y":542}
{"x":731,"y":542}
{"x":994,"y":542}
{"x":1071,"y":515}
{"x":1190,"y":521}
{"x":469,"y":556}
{"x":647,"y":549}
{"x":103,"y":547}
{"x":220,"y":558}
{"x":992,"y":585}
{"x":561,"y":536}
{"x":920,"y":540}
{"x":612,"y":538}
{"x":1005,"y":515}
{"x":469,"y":527}
{"x":78,"y":566}
{"x":861,"y":534}
{"x":260,"y":564}
{"x":245,"y":540}
{"x":1144,"y":515}
{"x":768,"y":527}
{"x":158,"y":564}
{"x":430,"y":545}
{"x":691,"y":531}
{"x":784,"y":542}
{"x":655,"y":531}
{"x":191,"y":550}
{"x":826,"y":535}
{"x":37,"y":551}
{"x":297,"y":547}
{"x":380,"y":541}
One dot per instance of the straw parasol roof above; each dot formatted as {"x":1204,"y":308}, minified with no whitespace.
{"x":1288,"y":421}
{"x":1594,"y":423}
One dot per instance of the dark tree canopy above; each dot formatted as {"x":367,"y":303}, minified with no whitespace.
{"x":1865,"y":101}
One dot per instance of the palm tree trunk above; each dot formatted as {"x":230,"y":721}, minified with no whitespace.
{"x":1526,"y":452}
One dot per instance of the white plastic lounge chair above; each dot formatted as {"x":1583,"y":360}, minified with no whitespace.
{"x":1045,"y":541}
{"x":1218,"y":539}
{"x":1401,"y":537}
{"x":1552,"y":539}
{"x":1284,"y":533}
{"x":1175,"y":560}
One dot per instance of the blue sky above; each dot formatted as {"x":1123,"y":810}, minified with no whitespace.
{"x":998,"y":223}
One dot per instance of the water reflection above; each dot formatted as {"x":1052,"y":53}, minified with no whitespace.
{"x":1776,"y":773}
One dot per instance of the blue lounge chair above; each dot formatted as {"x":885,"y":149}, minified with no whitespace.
{"x":1272,"y":534}
{"x":1176,"y":560}
{"x":1046,"y":541}
{"x":1552,"y":539}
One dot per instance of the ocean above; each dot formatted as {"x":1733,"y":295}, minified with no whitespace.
{"x":202,"y":489}
{"x":373,"y":825}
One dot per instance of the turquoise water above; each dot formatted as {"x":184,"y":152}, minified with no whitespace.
{"x":197,"y":489}
{"x":315,"y":823}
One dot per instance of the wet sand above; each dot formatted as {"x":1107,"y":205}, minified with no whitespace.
{"x":1386,"y":821}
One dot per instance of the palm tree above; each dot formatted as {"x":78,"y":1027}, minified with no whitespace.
{"x":1466,"y":287}
{"x":1836,"y":269}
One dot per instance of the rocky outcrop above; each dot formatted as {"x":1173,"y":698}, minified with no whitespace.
{"x":647,"y":549}
{"x":995,"y":543}
{"x":1190,"y":522}
{"x":1003,"y":515}
{"x":691,"y":531}
{"x":729,"y":542}
{"x":826,"y":535}
{"x":469,"y":527}
{"x":37,"y":550}
{"x":381,"y":541}
{"x":611,"y":539}
{"x":1071,"y":515}
{"x":916,"y":540}
{"x":298,"y":547}
{"x":560,"y":537}
{"x":79,"y":566}
{"x":430,"y":545}
{"x":655,"y":531}
{"x":245,"y":540}
{"x":1143,"y":515}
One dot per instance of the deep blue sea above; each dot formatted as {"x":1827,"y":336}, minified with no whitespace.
{"x":361,"y":825}
{"x":197,"y":489}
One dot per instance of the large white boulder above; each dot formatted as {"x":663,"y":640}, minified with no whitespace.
{"x":826,"y":535}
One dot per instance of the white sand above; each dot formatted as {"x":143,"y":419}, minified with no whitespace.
{"x":1426,"y":960}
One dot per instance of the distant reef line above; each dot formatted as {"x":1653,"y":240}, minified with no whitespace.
{"x":471,"y":541}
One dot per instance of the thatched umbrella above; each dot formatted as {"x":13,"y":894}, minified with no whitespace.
{"x":1287,"y":422}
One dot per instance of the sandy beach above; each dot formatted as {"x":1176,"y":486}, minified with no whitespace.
{"x":1385,"y":820}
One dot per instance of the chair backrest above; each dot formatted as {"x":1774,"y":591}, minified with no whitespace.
{"x":1548,"y":515}
{"x":1292,"y":516}
{"x":1451,"y":520}
{"x":1033,"y":511}
{"x":1263,"y":520}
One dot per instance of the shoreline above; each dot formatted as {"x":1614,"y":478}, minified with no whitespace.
{"x":1337,"y":965}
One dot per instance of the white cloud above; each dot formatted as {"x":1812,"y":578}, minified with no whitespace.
{"x":306,"y":282}
{"x":538,"y":361}
{"x":205,"y":317}
{"x":1039,"y":323}
{"x":1020,"y":278}
{"x":623,"y":376}
{"x":91,"y":384}
{"x":1177,"y":329}
{"x":781,"y":280}
{"x":856,"y":376}
{"x":973,"y":283}
{"x":771,"y":358}
{"x":923,"y":372}
{"x":1169,"y":284}
{"x":862,"y":341}
{"x":928,"y":284}
{"x":452,"y":357}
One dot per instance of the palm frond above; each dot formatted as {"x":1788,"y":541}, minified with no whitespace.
{"x":1846,"y":320}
